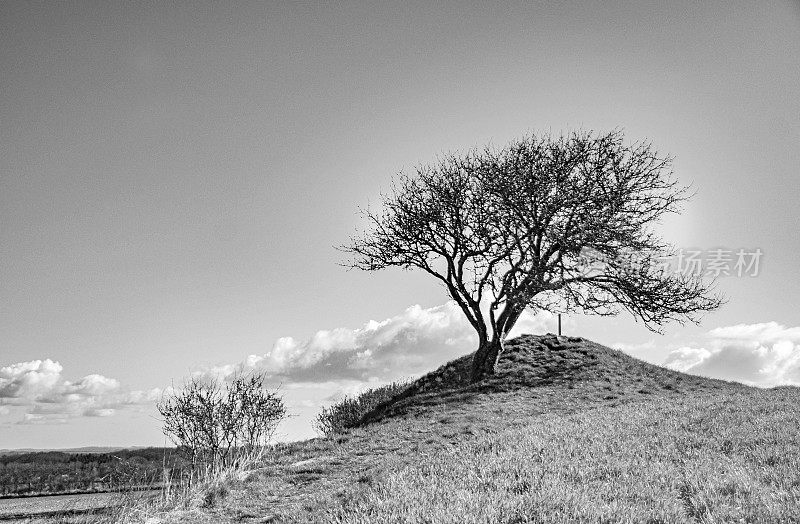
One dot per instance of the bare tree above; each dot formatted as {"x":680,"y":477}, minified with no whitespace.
{"x":505,"y":230}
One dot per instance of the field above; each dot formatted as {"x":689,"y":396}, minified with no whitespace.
{"x":60,"y":472}
{"x":567,"y":431}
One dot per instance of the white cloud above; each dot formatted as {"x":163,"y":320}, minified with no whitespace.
{"x":27,"y":379}
{"x":40,"y":391}
{"x":768,"y":333}
{"x":766,"y":354}
{"x":408,"y":344}
{"x":33,"y":418}
{"x":640,"y":350}
{"x":685,"y":358}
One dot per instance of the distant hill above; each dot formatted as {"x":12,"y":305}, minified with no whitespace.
{"x":89,"y":450}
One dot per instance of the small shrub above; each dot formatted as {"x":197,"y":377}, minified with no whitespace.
{"x":348,"y":412}
{"x":221,"y":424}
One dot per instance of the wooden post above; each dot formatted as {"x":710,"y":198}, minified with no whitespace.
{"x":559,"y":324}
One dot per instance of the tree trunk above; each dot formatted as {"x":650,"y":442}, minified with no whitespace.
{"x":484,"y":362}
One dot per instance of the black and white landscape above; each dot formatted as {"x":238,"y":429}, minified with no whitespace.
{"x":399,"y":262}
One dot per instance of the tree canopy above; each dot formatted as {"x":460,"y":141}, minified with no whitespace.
{"x":545,"y":223}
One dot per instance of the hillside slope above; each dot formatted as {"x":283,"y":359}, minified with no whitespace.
{"x":566,"y":431}
{"x":549,"y":373}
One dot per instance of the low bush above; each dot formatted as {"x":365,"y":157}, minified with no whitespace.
{"x":349,"y":411}
{"x":221,"y":424}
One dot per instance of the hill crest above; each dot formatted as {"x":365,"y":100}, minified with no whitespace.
{"x":537,"y":368}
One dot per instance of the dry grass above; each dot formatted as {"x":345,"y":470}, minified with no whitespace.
{"x":718,"y":458}
{"x":568,"y":431}
{"x":192,"y":494}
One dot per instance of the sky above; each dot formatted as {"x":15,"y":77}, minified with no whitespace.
{"x":174,"y":179}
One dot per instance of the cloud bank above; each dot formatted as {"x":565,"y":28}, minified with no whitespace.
{"x":340,"y":361}
{"x":766,"y":355}
{"x":408,"y":344}
{"x":39,"y":390}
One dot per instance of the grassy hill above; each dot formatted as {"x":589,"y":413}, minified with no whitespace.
{"x":549,"y":374}
{"x":566,"y":431}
